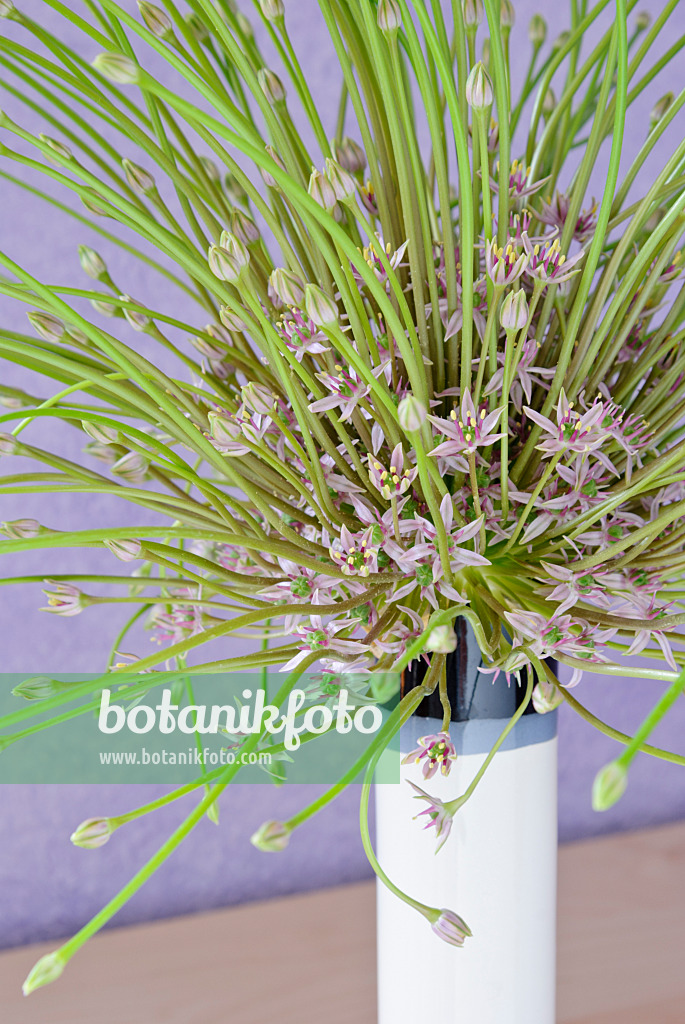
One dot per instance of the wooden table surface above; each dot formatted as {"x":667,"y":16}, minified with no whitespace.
{"x":309,"y":958}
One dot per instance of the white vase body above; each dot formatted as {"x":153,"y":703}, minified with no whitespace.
{"x":497,"y":870}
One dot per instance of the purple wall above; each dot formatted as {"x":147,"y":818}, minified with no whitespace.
{"x":47,"y":887}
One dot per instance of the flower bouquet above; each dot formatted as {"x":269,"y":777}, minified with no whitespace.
{"x":422,"y":380}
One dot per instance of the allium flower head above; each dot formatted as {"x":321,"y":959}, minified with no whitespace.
{"x":321,"y":638}
{"x":555,"y":213}
{"x":503,"y":264}
{"x":439,"y":815}
{"x":394,"y":481}
{"x":301,"y":335}
{"x":466,"y":431}
{"x":346,"y":391}
{"x":576,"y":432}
{"x":355,"y":553}
{"x":547,"y":263}
{"x":65,"y":599}
{"x":374,"y":262}
{"x":433,"y":752}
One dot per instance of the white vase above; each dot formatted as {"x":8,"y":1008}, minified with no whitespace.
{"x":497,"y":870}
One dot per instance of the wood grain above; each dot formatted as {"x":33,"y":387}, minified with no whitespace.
{"x":307,"y":958}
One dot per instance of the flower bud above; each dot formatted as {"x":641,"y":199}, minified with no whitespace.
{"x":7,"y":9}
{"x":411,"y":413}
{"x":210,"y":169}
{"x":549,"y":103}
{"x":479,"y":88}
{"x":222,"y":265}
{"x":272,"y":9}
{"x":609,"y":786}
{"x":287,"y":286}
{"x":321,"y":190}
{"x":47,"y":969}
{"x":92,"y":263}
{"x":268,"y":178}
{"x":105,"y":308}
{"x":342,"y":181}
{"x":234,"y":190}
{"x":389,"y":17}
{"x":271,"y":837}
{"x":219,"y":333}
{"x":48,"y":326}
{"x":537,"y":30}
{"x":139,"y":321}
{"x":133,"y":467}
{"x":350,"y":156}
{"x":319,"y":307}
{"x":507,"y":16}
{"x":546,"y":697}
{"x":102,"y":452}
{"x":449,"y":927}
{"x":231,"y":320}
{"x":442,"y":640}
{"x":140,"y":180}
{"x":92,"y":202}
{"x":125,"y":550}
{"x":92,"y":833}
{"x":236,"y":249}
{"x":271,"y":86}
{"x":514,"y":312}
{"x":258,"y":399}
{"x":660,"y":108}
{"x":9,"y":445}
{"x":15,"y":398}
{"x":117,"y":68}
{"x":643,"y":21}
{"x":244,"y":25}
{"x":57,"y":147}
{"x":561,"y":40}
{"x":197,"y":27}
{"x":158,"y":22}
{"x":473,"y":13}
{"x":223,"y":429}
{"x":244,"y":228}
{"x":38,"y":688}
{"x":101,"y":433}
{"x":19,"y":529}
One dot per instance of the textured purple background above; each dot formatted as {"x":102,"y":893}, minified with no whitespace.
{"x":47,"y":888}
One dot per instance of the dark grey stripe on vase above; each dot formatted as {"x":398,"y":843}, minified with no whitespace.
{"x":480,"y":735}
